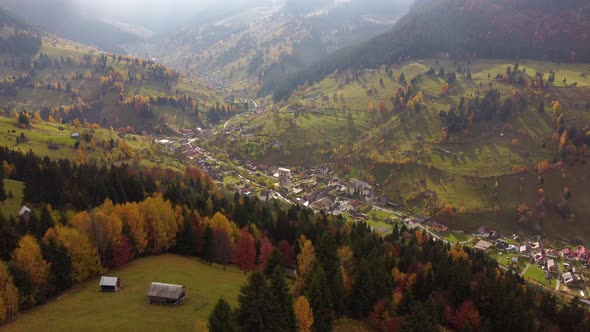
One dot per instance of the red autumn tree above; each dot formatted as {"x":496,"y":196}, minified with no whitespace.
{"x":287,"y":253}
{"x":245,"y":257}
{"x":265,"y":252}
{"x":223,"y":247}
{"x":466,"y":314}
{"x":123,"y":252}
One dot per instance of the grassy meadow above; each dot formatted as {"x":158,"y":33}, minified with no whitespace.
{"x":403,"y":151}
{"x":84,"y":308}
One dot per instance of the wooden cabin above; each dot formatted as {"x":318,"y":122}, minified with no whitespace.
{"x":160,"y":293}
{"x":110,"y":284}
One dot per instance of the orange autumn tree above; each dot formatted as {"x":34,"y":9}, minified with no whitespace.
{"x":305,"y":261}
{"x":8,"y":295}
{"x":303,"y":314}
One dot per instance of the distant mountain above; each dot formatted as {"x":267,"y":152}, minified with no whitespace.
{"x":253,"y":49}
{"x":17,"y":38}
{"x":63,"y":19}
{"x":536,"y":29}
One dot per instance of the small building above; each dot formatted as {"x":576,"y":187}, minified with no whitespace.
{"x":552,"y":253}
{"x":485,"y":232}
{"x":437,"y":227}
{"x":357,"y":187}
{"x":551,"y":266}
{"x":161,"y":293}
{"x":75,"y":135}
{"x":567,"y":253}
{"x":482,"y":245}
{"x":570,"y":279}
{"x":110,"y":284}
{"x":265,"y":196}
{"x":24,"y":212}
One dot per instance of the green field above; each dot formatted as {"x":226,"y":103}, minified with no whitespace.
{"x":338,"y":120}
{"x":11,"y":206}
{"x":84,"y":308}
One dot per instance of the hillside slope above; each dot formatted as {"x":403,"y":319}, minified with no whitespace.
{"x":465,"y":29}
{"x":254,"y":49}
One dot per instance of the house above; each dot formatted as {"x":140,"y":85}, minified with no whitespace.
{"x":582,"y":253}
{"x":570,"y":279}
{"x":539,"y":258}
{"x":536,"y":247}
{"x":170,"y":294}
{"x":265,"y":196}
{"x":551,"y":266}
{"x":284,"y":177}
{"x":552,"y":253}
{"x":358,"y":187}
{"x":439,"y":227}
{"x":75,"y":135}
{"x":109,"y":284}
{"x":482,"y":245}
{"x":485,"y":232}
{"x":324,"y":204}
{"x":568,"y":254}
{"x":524,"y":251}
{"x":24,"y":213}
{"x":502,"y":245}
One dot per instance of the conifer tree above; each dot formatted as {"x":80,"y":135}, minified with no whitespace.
{"x":320,"y":299}
{"x":282,"y":302}
{"x":222,"y":318}
{"x":255,"y":311}
{"x":273,"y":261}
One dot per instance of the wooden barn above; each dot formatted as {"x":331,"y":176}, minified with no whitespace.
{"x":110,"y":284}
{"x":160,"y":293}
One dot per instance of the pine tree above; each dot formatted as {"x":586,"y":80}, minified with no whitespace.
{"x":273,"y":262}
{"x":320,"y":299}
{"x":185,"y":239}
{"x":282,"y":302}
{"x":222,"y":318}
{"x":45,"y":222}
{"x":420,"y":319}
{"x":60,"y":277}
{"x":255,"y":309}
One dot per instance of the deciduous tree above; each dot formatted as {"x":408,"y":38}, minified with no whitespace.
{"x":245,"y":254}
{"x":303,"y":314}
{"x":32,"y":268}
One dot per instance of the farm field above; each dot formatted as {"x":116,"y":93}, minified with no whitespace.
{"x":84,"y":308}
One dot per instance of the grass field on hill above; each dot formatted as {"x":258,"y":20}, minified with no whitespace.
{"x":84,"y":308}
{"x":11,"y":206}
{"x":404,"y":153}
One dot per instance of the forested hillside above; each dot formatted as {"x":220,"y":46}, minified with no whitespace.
{"x":464,"y":29}
{"x":254,"y":49}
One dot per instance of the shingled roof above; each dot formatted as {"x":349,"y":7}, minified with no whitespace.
{"x":168,"y":291}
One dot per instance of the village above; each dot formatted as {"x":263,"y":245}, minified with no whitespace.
{"x":563,"y":270}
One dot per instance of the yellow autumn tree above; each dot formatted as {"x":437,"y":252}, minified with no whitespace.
{"x":162,"y":224}
{"x":303,"y":314}
{"x":305,"y":261}
{"x":82,"y":253}
{"x":132,"y":219}
{"x":556,"y":107}
{"x":8,"y":295}
{"x":27,"y":259}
